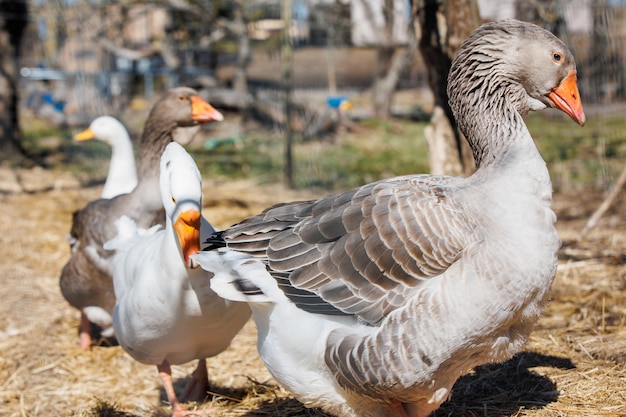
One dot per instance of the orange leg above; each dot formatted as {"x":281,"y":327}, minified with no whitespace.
{"x":198,"y":386}
{"x":84,"y":335}
{"x":165,"y":372}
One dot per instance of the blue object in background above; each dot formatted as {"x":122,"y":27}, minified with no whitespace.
{"x":334,"y":102}
{"x":57,"y":105}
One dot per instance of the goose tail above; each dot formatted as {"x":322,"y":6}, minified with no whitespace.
{"x":237,"y":276}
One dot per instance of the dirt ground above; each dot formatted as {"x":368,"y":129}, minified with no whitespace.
{"x":573,"y":365}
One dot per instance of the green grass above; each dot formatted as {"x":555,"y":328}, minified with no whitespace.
{"x":589,"y":156}
{"x":40,"y":137}
{"x":383,"y":150}
{"x":55,"y":146}
{"x":593,"y":155}
{"x":577,"y":157}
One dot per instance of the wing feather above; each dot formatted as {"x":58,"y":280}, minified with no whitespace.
{"x":363,"y":251}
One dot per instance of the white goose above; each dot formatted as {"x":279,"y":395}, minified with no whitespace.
{"x":122,"y":176}
{"x":86,"y":281}
{"x":381,"y":297}
{"x":166,"y":313}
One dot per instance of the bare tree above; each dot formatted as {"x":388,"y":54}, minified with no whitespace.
{"x":606,"y":62}
{"x":444,"y":25}
{"x":392,"y":57}
{"x":244,"y":55}
{"x":602,"y":208}
{"x":287,"y":76}
{"x":13,"y":21}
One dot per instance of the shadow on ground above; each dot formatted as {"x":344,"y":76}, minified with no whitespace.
{"x":499,"y":390}
{"x":495,"y":390}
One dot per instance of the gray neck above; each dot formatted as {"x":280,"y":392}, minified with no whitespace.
{"x":489,"y":113}
{"x":153,"y":143}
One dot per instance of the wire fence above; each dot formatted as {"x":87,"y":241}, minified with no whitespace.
{"x":78,"y":63}
{"x":67,"y":38}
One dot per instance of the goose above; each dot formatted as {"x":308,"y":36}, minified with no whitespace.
{"x":166,"y":312}
{"x":85,"y":280}
{"x":373,"y":302}
{"x":122,"y":176}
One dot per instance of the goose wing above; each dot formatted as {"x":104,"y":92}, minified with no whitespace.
{"x":360,"y":252}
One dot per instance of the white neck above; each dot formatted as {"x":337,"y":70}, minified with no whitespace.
{"x":122,"y":177}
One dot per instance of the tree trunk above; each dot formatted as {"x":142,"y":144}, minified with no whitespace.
{"x":240,"y":83}
{"x":440,"y":40}
{"x":13,"y":20}
{"x":287,"y":72}
{"x":606,"y":204}
{"x":600,"y":53}
{"x":391,"y":61}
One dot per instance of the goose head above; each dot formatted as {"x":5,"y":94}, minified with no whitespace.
{"x":181,"y":191}
{"x":185,"y":107}
{"x":177,"y":116}
{"x":105,"y":128}
{"x":528,"y":64}
{"x":182,"y":111}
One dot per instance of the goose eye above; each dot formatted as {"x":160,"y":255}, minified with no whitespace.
{"x":173,"y":200}
{"x":557,"y":57}
{"x":182,"y":98}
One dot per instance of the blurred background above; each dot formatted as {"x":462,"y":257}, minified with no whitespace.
{"x":316,"y":93}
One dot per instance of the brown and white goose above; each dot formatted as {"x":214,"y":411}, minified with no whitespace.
{"x":122,"y":175}
{"x":379,"y":298}
{"x":85,"y":280}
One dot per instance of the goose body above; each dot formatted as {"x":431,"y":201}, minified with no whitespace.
{"x":166,"y":312}
{"x":122,"y":175}
{"x":373,"y":302}
{"x":86,"y":279}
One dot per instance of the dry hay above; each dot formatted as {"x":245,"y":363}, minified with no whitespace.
{"x":573,"y":365}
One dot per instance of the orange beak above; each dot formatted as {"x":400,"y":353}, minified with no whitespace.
{"x":187,"y":228}
{"x":202,"y":112}
{"x":566,"y":98}
{"x":86,"y":134}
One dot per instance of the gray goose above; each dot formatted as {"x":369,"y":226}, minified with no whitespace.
{"x":86,"y":279}
{"x":373,"y":302}
{"x":122,"y":175}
